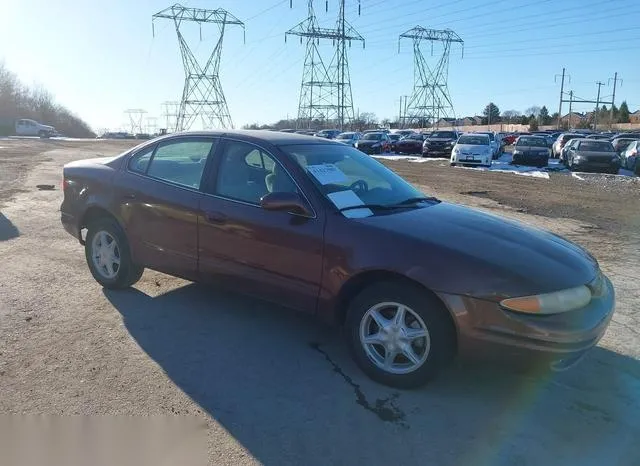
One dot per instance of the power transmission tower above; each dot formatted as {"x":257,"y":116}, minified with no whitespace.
{"x":152,"y":125}
{"x":135,"y":119}
{"x":170,"y":113}
{"x":325,"y":92}
{"x":430,"y":99}
{"x":202,"y":95}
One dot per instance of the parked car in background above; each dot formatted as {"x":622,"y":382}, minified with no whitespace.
{"x":319,"y":227}
{"x":328,"y":133}
{"x":600,"y":136}
{"x":592,"y":155}
{"x":531,"y":150}
{"x":26,"y":127}
{"x":509,"y":139}
{"x":393,"y":140}
{"x":439,"y":143}
{"x":547,"y":137}
{"x":404,"y":132}
{"x":620,"y":144}
{"x":561,"y":141}
{"x":472,"y":149}
{"x":565,"y":149}
{"x":411,"y":144}
{"x":350,"y":138}
{"x":629,"y":157}
{"x":496,"y":146}
{"x":374,"y":143}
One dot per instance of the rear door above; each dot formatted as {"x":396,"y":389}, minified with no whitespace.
{"x":159,"y":198}
{"x":274,"y":255}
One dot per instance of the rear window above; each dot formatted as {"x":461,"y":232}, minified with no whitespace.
{"x":595,"y":146}
{"x":372,"y":137}
{"x":444,"y":134}
{"x":531,"y":142}
{"x":566,"y":137}
{"x":345,"y":136}
{"x":490,"y":135}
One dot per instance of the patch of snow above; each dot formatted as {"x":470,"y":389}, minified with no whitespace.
{"x":575,"y":175}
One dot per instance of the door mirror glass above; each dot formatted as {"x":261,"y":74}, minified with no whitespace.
{"x":285,"y":201}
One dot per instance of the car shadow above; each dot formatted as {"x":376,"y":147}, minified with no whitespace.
{"x":285,"y":388}
{"x":7,"y":229}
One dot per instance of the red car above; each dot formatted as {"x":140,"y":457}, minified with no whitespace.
{"x":319,"y":226}
{"x":509,"y":139}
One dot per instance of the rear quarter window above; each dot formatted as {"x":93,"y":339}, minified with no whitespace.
{"x":139,"y":163}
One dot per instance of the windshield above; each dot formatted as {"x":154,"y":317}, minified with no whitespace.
{"x":595,"y":146}
{"x":474,"y":140}
{"x":414,"y":136}
{"x":345,"y":136}
{"x":444,"y":134}
{"x":532,"y":142}
{"x":348,"y":177}
{"x":566,"y":137}
{"x":372,"y":137}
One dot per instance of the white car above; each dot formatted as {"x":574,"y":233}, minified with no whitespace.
{"x":495,"y":144}
{"x":25,"y":127}
{"x":472,"y":149}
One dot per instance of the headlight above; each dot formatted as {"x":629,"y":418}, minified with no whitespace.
{"x":456,"y":151}
{"x":517,"y":152}
{"x":355,"y":144}
{"x":550,"y":303}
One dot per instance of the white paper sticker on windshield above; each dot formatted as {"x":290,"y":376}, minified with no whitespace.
{"x":348,"y":198}
{"x":327,"y":173}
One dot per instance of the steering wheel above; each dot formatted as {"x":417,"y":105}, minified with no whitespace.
{"x":359,"y":185}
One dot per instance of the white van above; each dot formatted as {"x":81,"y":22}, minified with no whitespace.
{"x":26,"y":127}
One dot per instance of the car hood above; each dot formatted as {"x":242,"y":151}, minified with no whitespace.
{"x":466,"y":251}
{"x":369,"y":142}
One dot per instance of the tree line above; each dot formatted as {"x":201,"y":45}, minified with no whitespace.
{"x":19,"y":101}
{"x":534,"y":116}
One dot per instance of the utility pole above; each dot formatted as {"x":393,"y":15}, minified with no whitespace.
{"x":400,"y":114}
{"x":613,"y":98}
{"x":595,"y":114}
{"x":570,"y":105}
{"x":561,"y":95}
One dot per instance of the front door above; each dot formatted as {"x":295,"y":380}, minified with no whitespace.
{"x":273,"y":255}
{"x":159,"y":203}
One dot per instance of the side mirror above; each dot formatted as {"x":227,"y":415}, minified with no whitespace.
{"x":290,"y":202}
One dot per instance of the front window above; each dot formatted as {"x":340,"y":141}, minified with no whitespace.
{"x":345,"y":136}
{"x":348,"y":177}
{"x":490,"y":135}
{"x":372,"y":137}
{"x":596,"y":146}
{"x":474,"y":140}
{"x":532,"y":142}
{"x":443,"y":134}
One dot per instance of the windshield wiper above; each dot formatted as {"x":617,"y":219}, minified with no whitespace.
{"x":371,"y":206}
{"x":414,"y":200}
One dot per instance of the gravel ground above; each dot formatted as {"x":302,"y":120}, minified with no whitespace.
{"x":277,"y":388}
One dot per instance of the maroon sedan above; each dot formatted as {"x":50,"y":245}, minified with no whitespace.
{"x":321,"y":227}
{"x":410,"y":144}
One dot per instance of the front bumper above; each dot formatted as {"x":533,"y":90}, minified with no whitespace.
{"x":446,"y":150}
{"x":369,"y":149}
{"x":486,"y":331}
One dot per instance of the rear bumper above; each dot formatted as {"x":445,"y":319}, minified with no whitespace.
{"x":588,"y":166}
{"x":70,"y":224}
{"x":530,"y":159}
{"x":488,"y":332}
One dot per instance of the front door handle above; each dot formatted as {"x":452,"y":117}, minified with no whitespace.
{"x":215,"y":217}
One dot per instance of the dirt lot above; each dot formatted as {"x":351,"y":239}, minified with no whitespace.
{"x":277,"y":388}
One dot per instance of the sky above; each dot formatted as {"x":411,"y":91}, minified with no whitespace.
{"x":100,"y":59}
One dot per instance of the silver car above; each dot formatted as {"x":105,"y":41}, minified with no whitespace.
{"x":472,"y":149}
{"x":349,"y":138}
{"x":630,"y":156}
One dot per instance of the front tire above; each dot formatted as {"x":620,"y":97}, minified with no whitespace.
{"x":399,"y":335}
{"x":108,"y":255}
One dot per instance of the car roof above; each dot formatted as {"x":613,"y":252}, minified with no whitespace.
{"x":276,"y":138}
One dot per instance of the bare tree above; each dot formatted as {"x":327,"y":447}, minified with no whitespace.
{"x":533,"y":110}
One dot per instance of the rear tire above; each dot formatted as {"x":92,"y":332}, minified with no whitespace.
{"x":375,"y":315}
{"x":114,"y":269}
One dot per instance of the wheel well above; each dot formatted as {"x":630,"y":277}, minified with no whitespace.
{"x":93,"y":213}
{"x":358,"y":283}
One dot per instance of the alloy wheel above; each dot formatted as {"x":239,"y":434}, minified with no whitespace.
{"x":395,"y":338}
{"x":105,"y":254}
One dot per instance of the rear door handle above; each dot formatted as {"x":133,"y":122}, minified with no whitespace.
{"x":215,"y":217}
